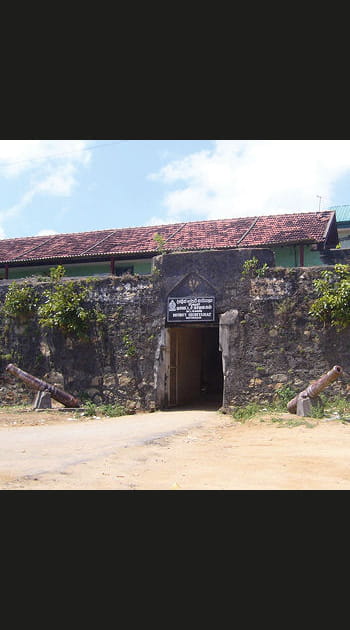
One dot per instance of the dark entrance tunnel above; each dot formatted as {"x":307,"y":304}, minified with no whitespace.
{"x":195,"y":366}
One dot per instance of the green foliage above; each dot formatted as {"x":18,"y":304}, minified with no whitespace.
{"x":285,"y":307}
{"x":332,"y":307}
{"x":89,"y":408}
{"x":283,"y":395}
{"x":129,"y":346}
{"x":246,"y":412}
{"x":160,"y":240}
{"x":64,"y":308}
{"x":317,"y":410}
{"x":56,"y":273}
{"x":339,"y":404}
{"x":339,"y":407}
{"x":113,"y":411}
{"x":20,"y":300}
{"x":251,"y":268}
{"x":286,"y":422}
{"x":109,"y":410}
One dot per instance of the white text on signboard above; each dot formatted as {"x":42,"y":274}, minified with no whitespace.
{"x":191,"y":309}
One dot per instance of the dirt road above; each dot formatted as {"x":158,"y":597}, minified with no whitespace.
{"x":185,"y":450}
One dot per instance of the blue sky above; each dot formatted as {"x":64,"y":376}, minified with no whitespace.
{"x":59,"y":186}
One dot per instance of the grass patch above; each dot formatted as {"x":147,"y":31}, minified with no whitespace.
{"x":338,"y":404}
{"x":337,"y":409}
{"x":111,"y":411}
{"x":286,"y":422}
{"x":247,"y":412}
{"x":14,"y":408}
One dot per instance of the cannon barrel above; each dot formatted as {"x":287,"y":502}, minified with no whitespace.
{"x":314,"y":389}
{"x":36,"y":383}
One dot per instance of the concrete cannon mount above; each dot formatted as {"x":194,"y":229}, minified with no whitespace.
{"x":302,"y":403}
{"x":44,"y":389}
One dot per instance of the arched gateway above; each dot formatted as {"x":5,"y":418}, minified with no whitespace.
{"x":195,"y":346}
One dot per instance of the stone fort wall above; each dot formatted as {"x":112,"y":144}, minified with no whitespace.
{"x":267,"y":338}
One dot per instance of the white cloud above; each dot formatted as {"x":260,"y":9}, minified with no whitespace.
{"x":50,"y":166}
{"x":159,"y":220}
{"x":18,"y":156}
{"x":46,"y":232}
{"x":248,"y":177}
{"x":59,"y":182}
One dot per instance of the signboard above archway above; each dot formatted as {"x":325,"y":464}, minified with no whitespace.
{"x":191,"y":309}
{"x":191,"y":300}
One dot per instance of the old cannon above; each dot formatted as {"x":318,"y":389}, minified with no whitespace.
{"x":301,"y":404}
{"x":41,"y":386}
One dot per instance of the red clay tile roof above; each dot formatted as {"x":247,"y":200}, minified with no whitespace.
{"x":310,"y":227}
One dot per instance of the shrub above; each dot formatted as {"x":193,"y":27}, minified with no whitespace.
{"x":332,"y":307}
{"x":64,"y":307}
{"x":20,"y":300}
{"x":89,"y":408}
{"x":160,"y":241}
{"x":113,"y":411}
{"x":251,"y":268}
{"x":283,"y":395}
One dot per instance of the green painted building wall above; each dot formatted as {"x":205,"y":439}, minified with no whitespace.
{"x":285,"y":256}
{"x":289,"y":256}
{"x":142,"y":267}
{"x":138,"y":267}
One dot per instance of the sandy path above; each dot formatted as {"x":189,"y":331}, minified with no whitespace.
{"x":166,"y":450}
